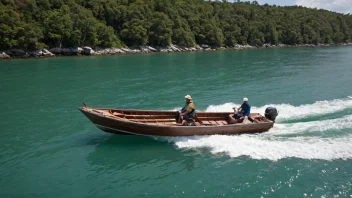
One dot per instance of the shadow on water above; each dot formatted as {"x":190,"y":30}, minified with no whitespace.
{"x":118,"y":141}
{"x":126,"y":152}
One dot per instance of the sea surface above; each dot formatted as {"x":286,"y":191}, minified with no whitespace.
{"x":49,"y":149}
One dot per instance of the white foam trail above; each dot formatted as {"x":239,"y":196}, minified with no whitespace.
{"x":290,"y":112}
{"x":314,"y":126}
{"x":271,"y":147}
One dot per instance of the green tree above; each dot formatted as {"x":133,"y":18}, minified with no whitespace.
{"x":106,"y":36}
{"x":134,"y":33}
{"x":58,"y":26}
{"x":160,"y":32}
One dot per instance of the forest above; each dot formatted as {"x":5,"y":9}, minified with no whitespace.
{"x":36,"y":24}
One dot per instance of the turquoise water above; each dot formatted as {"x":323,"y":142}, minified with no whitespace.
{"x":49,"y":149}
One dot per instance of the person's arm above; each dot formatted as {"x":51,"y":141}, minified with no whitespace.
{"x":184,"y":108}
{"x":247,"y":111}
{"x":241,"y":108}
{"x":189,"y":109}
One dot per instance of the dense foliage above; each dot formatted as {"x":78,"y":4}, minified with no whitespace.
{"x":32,"y":24}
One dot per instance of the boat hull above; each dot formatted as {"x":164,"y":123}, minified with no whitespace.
{"x":125,"y":127}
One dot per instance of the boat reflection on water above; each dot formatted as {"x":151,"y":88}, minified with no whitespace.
{"x":137,"y":153}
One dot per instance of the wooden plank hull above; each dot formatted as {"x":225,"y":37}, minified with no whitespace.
{"x":111,"y":124}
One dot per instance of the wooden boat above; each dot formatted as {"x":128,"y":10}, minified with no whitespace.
{"x":164,"y":123}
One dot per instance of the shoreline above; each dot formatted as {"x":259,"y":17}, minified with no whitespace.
{"x":88,"y":51}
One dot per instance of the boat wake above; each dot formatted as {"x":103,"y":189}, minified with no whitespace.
{"x":317,"y":138}
{"x":290,"y":112}
{"x":271,"y":147}
{"x":314,"y":126}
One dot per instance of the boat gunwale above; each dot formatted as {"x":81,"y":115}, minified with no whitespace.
{"x":167,"y":126}
{"x":157,"y":111}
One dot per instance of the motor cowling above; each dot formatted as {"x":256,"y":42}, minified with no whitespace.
{"x":271,"y":113}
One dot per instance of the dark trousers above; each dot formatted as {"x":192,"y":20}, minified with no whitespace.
{"x":238,"y":115}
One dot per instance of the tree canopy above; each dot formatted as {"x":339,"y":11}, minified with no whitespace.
{"x":33,"y":24}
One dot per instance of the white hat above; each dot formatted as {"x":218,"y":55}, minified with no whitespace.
{"x":245,"y":99}
{"x":188,"y":97}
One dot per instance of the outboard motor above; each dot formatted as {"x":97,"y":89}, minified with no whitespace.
{"x":271,"y":113}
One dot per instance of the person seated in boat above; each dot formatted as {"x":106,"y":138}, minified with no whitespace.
{"x":243,"y":111}
{"x":188,"y":111}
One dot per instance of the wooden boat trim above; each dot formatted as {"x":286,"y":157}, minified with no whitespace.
{"x":118,"y":130}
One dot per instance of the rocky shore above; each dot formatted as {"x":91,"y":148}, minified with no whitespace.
{"x":88,"y":51}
